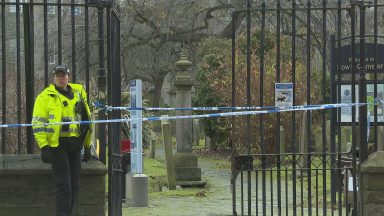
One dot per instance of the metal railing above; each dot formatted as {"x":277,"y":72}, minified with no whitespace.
{"x":37,"y":35}
{"x":289,"y":41}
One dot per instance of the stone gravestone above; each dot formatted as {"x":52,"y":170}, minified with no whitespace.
{"x":172,"y":96}
{"x":168,"y":150}
{"x":345,"y":138}
{"x":172,"y":103}
{"x":196,"y":134}
{"x":303,"y":144}
{"x":207,"y":142}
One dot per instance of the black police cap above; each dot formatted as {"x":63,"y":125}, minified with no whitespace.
{"x":60,"y":68}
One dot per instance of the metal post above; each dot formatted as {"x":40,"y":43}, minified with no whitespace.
{"x":338,"y":114}
{"x":375,"y":29}
{"x":249,"y":98}
{"x":353,"y":56}
{"x":114,"y":142}
{"x":279,"y":138}
{"x":73,"y":32}
{"x":101,"y":82}
{"x":261,"y":117}
{"x":333,"y":120}
{"x":233,"y":178}
{"x":3,"y":79}
{"x":86,"y":46}
{"x":18,"y":75}
{"x":45,"y":21}
{"x":29,"y":75}
{"x":59,"y":33}
{"x":363,"y":155}
{"x":362,"y":88}
{"x":293,"y":115}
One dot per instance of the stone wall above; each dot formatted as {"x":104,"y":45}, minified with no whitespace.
{"x":27,"y":188}
{"x":372,"y":185}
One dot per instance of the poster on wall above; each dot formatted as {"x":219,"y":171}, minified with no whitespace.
{"x":346,"y":97}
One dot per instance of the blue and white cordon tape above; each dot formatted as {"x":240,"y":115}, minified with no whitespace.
{"x":100,"y":106}
{"x":258,"y":111}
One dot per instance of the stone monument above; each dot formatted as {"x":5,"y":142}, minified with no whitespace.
{"x":186,"y":167}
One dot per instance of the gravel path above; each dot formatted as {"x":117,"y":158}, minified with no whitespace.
{"x":217,"y":199}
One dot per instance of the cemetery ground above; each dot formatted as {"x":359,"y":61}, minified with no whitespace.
{"x":213,"y":199}
{"x":216,"y":197}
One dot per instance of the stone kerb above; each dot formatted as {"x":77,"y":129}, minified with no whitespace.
{"x":372,"y":185}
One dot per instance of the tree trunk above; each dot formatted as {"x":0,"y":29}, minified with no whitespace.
{"x":157,"y":92}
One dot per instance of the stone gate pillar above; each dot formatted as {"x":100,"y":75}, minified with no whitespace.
{"x":186,"y":166}
{"x":371,"y":185}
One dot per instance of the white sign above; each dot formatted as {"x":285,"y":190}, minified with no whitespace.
{"x":283,"y":94}
{"x":346,"y":97}
{"x":350,"y":184}
{"x":136,"y":128}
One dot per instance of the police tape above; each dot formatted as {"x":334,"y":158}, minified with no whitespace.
{"x":212,"y":115}
{"x":99,"y":106}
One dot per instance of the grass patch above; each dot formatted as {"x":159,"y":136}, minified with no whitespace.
{"x":156,"y":172}
{"x":157,"y":180}
{"x":221,"y":164}
{"x":153,"y":167}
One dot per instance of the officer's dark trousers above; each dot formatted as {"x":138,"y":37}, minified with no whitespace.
{"x":66,"y":165}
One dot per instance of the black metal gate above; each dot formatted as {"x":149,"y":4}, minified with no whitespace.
{"x":304,"y":162}
{"x":82,"y":34}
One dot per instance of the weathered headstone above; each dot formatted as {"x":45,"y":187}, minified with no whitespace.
{"x":167,"y":141}
{"x":172,"y":103}
{"x":196,"y":136}
{"x":172,"y":96}
{"x":303,"y":144}
{"x":207,"y":142}
{"x":153,"y":148}
{"x":345,"y":137}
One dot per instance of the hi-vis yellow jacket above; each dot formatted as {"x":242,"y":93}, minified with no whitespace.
{"x":49,"y":108}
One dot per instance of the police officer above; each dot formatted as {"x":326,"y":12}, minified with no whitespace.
{"x":61,"y":144}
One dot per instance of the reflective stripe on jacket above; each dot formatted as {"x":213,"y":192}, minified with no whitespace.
{"x":49,"y":108}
